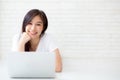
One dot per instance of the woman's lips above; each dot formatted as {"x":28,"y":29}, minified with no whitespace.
{"x":33,"y":33}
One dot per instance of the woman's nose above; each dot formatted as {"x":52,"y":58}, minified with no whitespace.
{"x":33,"y":27}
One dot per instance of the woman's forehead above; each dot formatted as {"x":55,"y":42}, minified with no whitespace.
{"x":37,"y":19}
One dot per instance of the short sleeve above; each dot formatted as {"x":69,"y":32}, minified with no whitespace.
{"x":52,"y":44}
{"x":48,"y":43}
{"x":15,"y":40}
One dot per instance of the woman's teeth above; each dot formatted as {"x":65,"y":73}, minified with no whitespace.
{"x":33,"y":33}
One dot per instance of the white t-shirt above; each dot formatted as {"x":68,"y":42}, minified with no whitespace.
{"x":46,"y":43}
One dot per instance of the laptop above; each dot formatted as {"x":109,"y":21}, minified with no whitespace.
{"x":31,"y":64}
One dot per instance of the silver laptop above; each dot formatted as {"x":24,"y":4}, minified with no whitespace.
{"x":31,"y":64}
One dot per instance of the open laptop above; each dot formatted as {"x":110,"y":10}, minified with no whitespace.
{"x":31,"y":64}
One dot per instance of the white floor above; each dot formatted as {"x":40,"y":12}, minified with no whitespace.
{"x":80,"y":69}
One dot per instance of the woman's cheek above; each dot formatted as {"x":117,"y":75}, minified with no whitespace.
{"x":27,"y":30}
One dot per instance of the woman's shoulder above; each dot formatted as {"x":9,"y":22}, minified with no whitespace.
{"x":47,"y":36}
{"x":16,"y":36}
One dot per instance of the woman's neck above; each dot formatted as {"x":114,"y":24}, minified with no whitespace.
{"x":34,"y":43}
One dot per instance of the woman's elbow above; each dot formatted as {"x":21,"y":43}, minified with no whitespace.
{"x":58,"y":69}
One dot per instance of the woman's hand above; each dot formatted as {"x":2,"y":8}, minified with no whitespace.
{"x":23,"y":40}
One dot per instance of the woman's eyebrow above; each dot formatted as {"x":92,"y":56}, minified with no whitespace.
{"x":39,"y":22}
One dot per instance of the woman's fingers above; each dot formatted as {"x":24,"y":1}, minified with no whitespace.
{"x":25,"y":38}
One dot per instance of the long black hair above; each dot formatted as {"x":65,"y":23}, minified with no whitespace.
{"x":28,"y":18}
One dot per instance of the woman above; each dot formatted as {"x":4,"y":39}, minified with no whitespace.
{"x":34,"y":38}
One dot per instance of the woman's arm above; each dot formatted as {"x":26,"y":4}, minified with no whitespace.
{"x":23,"y":40}
{"x":21,"y":47}
{"x":58,"y":61}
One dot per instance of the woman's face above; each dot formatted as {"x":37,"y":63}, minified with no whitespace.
{"x":35,"y":27}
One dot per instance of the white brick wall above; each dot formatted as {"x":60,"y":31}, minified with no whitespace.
{"x":81,"y":27}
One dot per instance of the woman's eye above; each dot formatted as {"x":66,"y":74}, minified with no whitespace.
{"x":38,"y":24}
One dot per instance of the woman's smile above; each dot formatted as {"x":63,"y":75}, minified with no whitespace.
{"x":33,"y":33}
